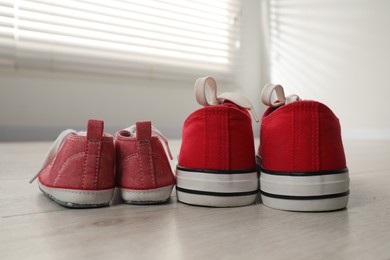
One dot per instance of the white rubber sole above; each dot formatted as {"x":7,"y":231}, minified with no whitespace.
{"x":78,"y":198}
{"x":153,"y":196}
{"x":299,"y":192}
{"x":216,"y":189}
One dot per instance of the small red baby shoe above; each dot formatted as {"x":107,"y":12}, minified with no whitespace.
{"x":79,"y":169}
{"x":301,"y":155}
{"x":144,"y":175}
{"x":216,"y":166}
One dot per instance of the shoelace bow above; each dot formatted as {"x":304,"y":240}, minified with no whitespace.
{"x":211,"y":84}
{"x":133,"y":130}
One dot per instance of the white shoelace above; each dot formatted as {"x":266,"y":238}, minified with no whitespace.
{"x":269,"y":89}
{"x":133,"y":131}
{"x":55,"y":147}
{"x":200,"y":95}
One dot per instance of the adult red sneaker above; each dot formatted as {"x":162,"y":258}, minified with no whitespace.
{"x":301,"y":155}
{"x":78,"y":171}
{"x":216,"y":166}
{"x":144,"y":175}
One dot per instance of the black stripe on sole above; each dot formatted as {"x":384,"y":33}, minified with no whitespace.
{"x":218,"y":194}
{"x":317,"y":197}
{"x":145,"y":202}
{"x":216,"y":171}
{"x":304,"y":174}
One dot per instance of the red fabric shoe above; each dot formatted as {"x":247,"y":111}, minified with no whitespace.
{"x":217,"y":159}
{"x":79,"y":169}
{"x":301,"y":155}
{"x":144,"y":175}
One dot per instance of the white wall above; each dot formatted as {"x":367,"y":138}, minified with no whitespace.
{"x":337,"y":52}
{"x":334,"y":51}
{"x":37,"y":106}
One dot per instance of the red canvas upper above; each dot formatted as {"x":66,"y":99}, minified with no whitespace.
{"x":142,"y":163}
{"x":83,"y":162}
{"x":303,"y":136}
{"x":218,"y":137}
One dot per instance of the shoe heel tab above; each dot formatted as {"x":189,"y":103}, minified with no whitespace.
{"x":143,"y":130}
{"x":95,"y":129}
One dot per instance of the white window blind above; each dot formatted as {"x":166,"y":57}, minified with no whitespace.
{"x":153,"y":39}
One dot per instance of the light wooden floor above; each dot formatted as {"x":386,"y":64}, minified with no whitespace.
{"x":33,"y":227}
